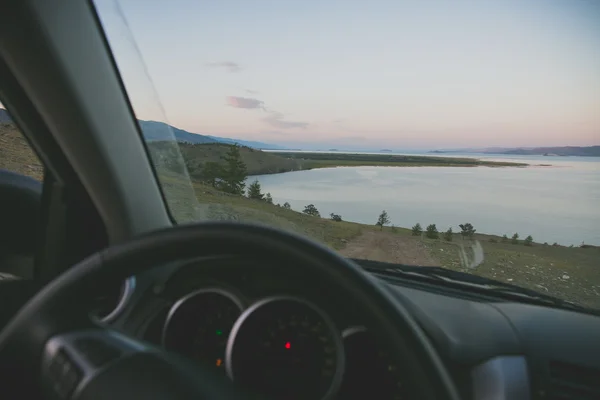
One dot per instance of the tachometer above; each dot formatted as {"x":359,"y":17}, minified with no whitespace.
{"x":286,"y":348}
{"x":199,"y":324}
{"x":370,"y":373}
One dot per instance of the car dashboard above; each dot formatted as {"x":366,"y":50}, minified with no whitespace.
{"x":288,"y":336}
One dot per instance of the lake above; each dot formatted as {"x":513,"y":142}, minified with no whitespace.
{"x":557,"y":203}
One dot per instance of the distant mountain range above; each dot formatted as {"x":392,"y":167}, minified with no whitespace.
{"x":585,"y":151}
{"x":157,"y":131}
{"x":154,"y":131}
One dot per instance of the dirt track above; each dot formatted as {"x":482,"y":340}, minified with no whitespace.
{"x":389,"y":247}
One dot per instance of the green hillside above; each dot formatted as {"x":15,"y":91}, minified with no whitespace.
{"x":569,"y":273}
{"x":328,"y":160}
{"x":197,"y":155}
{"x":261,"y":162}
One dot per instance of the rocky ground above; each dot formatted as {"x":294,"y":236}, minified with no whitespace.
{"x":571,"y":274}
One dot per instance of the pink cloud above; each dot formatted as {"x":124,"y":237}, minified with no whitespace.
{"x":244,"y":102}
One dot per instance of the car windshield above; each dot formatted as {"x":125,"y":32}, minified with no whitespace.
{"x":461,"y":135}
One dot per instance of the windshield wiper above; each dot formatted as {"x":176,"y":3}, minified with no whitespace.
{"x":464,"y":280}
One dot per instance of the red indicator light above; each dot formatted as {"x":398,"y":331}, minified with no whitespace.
{"x":288,"y":345}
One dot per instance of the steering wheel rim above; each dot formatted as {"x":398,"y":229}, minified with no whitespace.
{"x":23,"y":339}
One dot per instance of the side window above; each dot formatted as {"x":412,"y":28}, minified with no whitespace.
{"x":21,"y":175}
{"x":15,"y":153}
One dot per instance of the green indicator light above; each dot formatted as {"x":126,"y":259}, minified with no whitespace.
{"x":219,"y":332}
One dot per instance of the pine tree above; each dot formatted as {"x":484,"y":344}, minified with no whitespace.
{"x":417,"y":230}
{"x":211,"y":172}
{"x":254,"y":191}
{"x":515,"y":238}
{"x":431,"y":232}
{"x":234,"y":172}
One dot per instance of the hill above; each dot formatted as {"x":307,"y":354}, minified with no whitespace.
{"x":197,"y":155}
{"x":585,"y":151}
{"x":328,"y":160}
{"x":259,"y":162}
{"x":248,"y":143}
{"x":589,"y":151}
{"x":159,"y":131}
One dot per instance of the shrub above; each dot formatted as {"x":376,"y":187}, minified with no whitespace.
{"x":417,"y":230}
{"x":528,"y":241}
{"x":394,"y":229}
{"x":254,"y":191}
{"x":311,"y":210}
{"x":287,"y":205}
{"x":383,"y":219}
{"x":268,"y":198}
{"x":504,"y":238}
{"x":448,"y":235}
{"x":467,"y":230}
{"x":493,"y":240}
{"x":336,"y":217}
{"x":431,"y":232}
{"x":554,"y":244}
{"x":515,"y":238}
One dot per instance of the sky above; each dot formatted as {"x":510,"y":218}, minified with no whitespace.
{"x":390,"y":74}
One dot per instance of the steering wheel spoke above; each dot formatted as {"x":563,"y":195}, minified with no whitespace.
{"x":71,"y":360}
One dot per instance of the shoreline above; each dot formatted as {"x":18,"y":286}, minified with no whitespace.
{"x":308,"y":161}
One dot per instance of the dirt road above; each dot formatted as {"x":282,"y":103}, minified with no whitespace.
{"x":389,"y":247}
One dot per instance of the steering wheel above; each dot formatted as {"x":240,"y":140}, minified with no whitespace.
{"x":54,"y":346}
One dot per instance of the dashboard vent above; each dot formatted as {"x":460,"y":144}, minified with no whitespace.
{"x":573,"y":382}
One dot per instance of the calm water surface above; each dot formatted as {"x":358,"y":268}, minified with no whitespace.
{"x":557,"y":203}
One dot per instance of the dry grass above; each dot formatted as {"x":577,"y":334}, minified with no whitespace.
{"x":16,"y":154}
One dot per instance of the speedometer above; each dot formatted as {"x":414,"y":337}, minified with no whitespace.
{"x":286,"y":348}
{"x":199,"y":324}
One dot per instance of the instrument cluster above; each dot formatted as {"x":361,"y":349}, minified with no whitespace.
{"x":280,"y":347}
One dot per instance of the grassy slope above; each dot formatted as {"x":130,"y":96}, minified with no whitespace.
{"x":538,"y":267}
{"x":217,"y":205}
{"x":16,"y":154}
{"x":257,"y":162}
{"x":569,"y":273}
